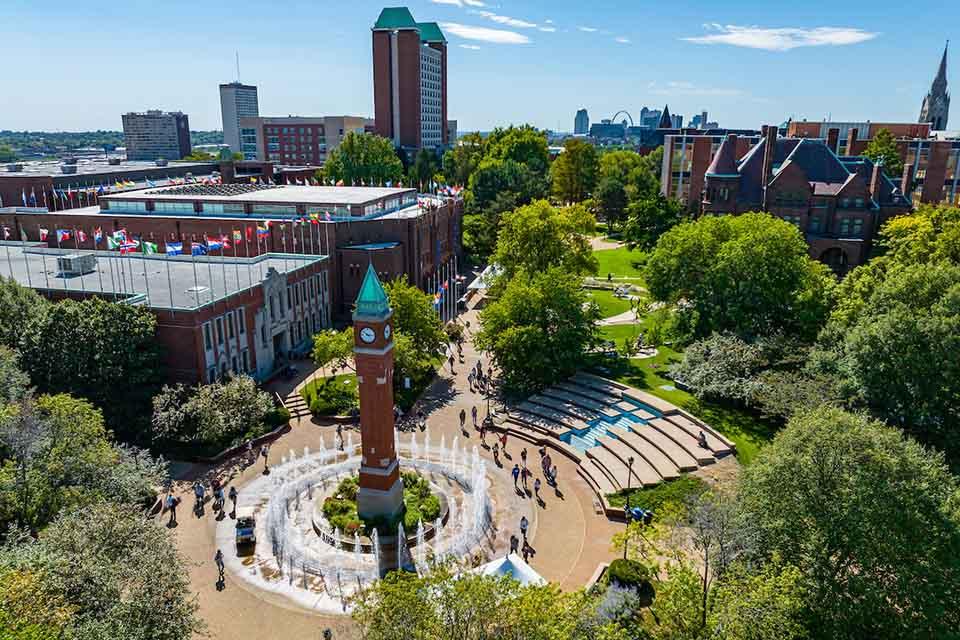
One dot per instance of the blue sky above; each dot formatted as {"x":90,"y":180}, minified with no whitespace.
{"x":79,"y":65}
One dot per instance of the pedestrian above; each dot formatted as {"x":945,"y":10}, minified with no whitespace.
{"x":483,"y":434}
{"x":172,"y":508}
{"x":553,"y":475}
{"x":527,"y":552}
{"x":340,"y":437}
{"x":514,"y":543}
{"x":524,"y":474}
{"x":218,"y":498}
{"x":198,"y":493}
{"x":516,"y":475}
{"x":523,"y":528}
{"x":463,"y":418}
{"x":265,"y":452}
{"x":536,"y":488}
{"x":523,"y":457}
{"x":470,"y":378}
{"x":250,"y":459}
{"x":421,"y":419}
{"x":503,"y":442}
{"x":451,"y":364}
{"x":496,"y":451}
{"x":218,"y":558}
{"x":473,"y":412}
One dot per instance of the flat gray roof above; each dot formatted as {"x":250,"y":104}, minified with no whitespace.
{"x":281,"y":194}
{"x":155,"y":281}
{"x":98,"y":164}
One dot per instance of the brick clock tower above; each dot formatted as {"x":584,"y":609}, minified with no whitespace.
{"x":381,"y":488}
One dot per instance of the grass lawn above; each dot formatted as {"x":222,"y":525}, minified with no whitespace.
{"x":748,"y":430}
{"x":609,"y":304}
{"x":654,"y":497}
{"x":340,"y":392}
{"x":619,"y":263}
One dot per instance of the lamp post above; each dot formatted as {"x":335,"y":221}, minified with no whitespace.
{"x":627,"y":509}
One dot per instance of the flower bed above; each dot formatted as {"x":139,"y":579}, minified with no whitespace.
{"x":420,"y":504}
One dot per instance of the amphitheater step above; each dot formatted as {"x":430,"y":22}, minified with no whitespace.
{"x":552,"y":414}
{"x":715,"y":442}
{"x":592,"y":394}
{"x":544,"y":424}
{"x":642,"y":471}
{"x":663,"y":465}
{"x":580,"y":401}
{"x":596,"y":382}
{"x":567,"y":407}
{"x":684,"y":439}
{"x":650,"y":400}
{"x":676,"y":453}
{"x":597,"y":480}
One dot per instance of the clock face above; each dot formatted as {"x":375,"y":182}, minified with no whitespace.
{"x":367,"y":335}
{"x":386,"y":332}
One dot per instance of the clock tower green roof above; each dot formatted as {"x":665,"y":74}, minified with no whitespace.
{"x":372,"y":299}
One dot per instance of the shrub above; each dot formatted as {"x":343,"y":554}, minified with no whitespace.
{"x":627,"y":573}
{"x":278,"y":416}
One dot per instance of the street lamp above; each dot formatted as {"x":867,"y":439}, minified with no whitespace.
{"x":627,"y":510}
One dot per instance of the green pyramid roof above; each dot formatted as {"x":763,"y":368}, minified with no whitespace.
{"x":372,"y":299}
{"x":430,"y":32}
{"x":395,"y":18}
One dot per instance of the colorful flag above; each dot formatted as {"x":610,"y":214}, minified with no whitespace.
{"x":6,"y":233}
{"x":62,"y":235}
{"x":174,"y":248}
{"x":112,"y":243}
{"x":262,"y":231}
{"x":213,"y":244}
{"x":148,"y":248}
{"x":237,"y":236}
{"x":326,"y":216}
{"x":150,"y":183}
{"x":120,"y":234}
{"x":198,"y":249}
{"x":23,"y":196}
{"x":33,"y":198}
{"x":129,"y":246}
{"x":81,"y":236}
{"x":97,"y":235}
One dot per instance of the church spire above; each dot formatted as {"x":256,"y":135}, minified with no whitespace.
{"x":936,"y":104}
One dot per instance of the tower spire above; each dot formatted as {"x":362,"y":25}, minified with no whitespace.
{"x":936,"y":104}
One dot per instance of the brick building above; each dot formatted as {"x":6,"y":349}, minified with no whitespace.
{"x":838,"y":203}
{"x":295,"y":139}
{"x":155,"y":134}
{"x":409,"y":80}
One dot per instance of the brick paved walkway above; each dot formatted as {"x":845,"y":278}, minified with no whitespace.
{"x":569,"y":537}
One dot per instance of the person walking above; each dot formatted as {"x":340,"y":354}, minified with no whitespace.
{"x":340,"y":437}
{"x":483,"y":434}
{"x":503,"y":442}
{"x":553,"y":475}
{"x":218,"y":497}
{"x":218,"y":558}
{"x":523,"y":457}
{"x":198,"y":494}
{"x":516,"y":475}
{"x":496,"y":452}
{"x":265,"y":452}
{"x":536,"y":488}
{"x":523,"y":528}
{"x":524,"y":474}
{"x":172,"y":508}
{"x":473,"y":412}
{"x":514,"y":543}
{"x":450,"y":360}
{"x":233,"y":497}
{"x":527,"y":552}
{"x":463,"y":418}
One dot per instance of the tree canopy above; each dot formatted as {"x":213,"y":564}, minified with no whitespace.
{"x":574,"y":173}
{"x":869,"y":517}
{"x":524,"y":145}
{"x":539,"y":330}
{"x":749,"y":274}
{"x":462,"y":159}
{"x":539,"y":236}
{"x":363,"y":158}
{"x":883,"y":148}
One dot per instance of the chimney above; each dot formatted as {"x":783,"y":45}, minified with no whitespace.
{"x":906,"y":180}
{"x":875,"y":181}
{"x":770,"y":147}
{"x":851,"y":140}
{"x":833,"y":136}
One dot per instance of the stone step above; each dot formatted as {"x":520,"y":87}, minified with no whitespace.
{"x":580,"y":401}
{"x":684,"y":439}
{"x":552,"y":414}
{"x":676,"y":453}
{"x":715,"y":441}
{"x":663,"y":465}
{"x":597,"y":480}
{"x":592,"y":394}
{"x":643,"y":473}
{"x":545,"y":424}
{"x":596,"y":382}
{"x":566,"y":407}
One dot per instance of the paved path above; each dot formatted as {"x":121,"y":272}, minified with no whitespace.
{"x":570,"y":539}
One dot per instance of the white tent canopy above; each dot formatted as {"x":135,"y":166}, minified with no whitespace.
{"x":513,"y":566}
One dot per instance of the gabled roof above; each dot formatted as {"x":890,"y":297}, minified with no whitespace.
{"x":724,"y":164}
{"x":372,"y":299}
{"x":666,"y":122}
{"x":395,"y":18}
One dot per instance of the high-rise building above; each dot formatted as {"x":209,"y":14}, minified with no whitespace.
{"x":237,"y":101}
{"x":409,"y":80}
{"x":581,"y":123}
{"x":295,"y":139}
{"x":936,"y":104}
{"x":155,"y":135}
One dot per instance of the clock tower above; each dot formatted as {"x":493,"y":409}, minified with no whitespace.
{"x":381,"y":488}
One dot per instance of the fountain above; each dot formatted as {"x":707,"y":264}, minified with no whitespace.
{"x":375,"y":541}
{"x":453,"y":453}
{"x":349,"y":448}
{"x":421,"y":546}
{"x":401,"y":547}
{"x":357,"y":554}
{"x":437,"y":530}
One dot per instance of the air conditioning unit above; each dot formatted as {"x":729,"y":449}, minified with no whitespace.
{"x":14,"y":167}
{"x":76,"y":264}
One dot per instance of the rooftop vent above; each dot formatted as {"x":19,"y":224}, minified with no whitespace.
{"x":76,"y":264}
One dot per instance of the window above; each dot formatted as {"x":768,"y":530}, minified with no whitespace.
{"x":289,"y":300}
{"x":845,"y":203}
{"x":127,"y":206}
{"x":815,"y":224}
{"x":219,"y":330}
{"x":273,"y":315}
{"x":241,"y":322}
{"x":207,"y":342}
{"x":263,"y":334}
{"x":212,"y":374}
{"x":234,"y":364}
{"x":857,"y":227}
{"x":858,"y":203}
{"x":844,"y":226}
{"x":230,"y":325}
{"x":173,"y":207}
{"x":245,"y":358}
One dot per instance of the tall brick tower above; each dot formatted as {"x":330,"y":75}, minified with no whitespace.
{"x":381,"y":488}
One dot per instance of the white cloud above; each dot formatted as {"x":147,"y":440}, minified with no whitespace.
{"x":472,"y":47}
{"x":548,"y":29}
{"x":495,"y":36}
{"x":548,"y":21}
{"x":622,"y":40}
{"x":458,"y":3}
{"x":505,"y":20}
{"x":587,"y":29}
{"x":780,"y":39}
{"x":474,"y":3}
{"x":683,"y":88}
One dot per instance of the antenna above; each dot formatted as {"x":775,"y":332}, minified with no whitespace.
{"x":238,"y":67}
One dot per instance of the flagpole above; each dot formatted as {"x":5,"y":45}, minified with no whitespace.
{"x":213,"y":298}
{"x":76,"y":243}
{"x":196,"y":281}
{"x":57,"y":233}
{"x":26,"y":263}
{"x":143,"y":258}
{"x":43,"y":256}
{"x":223,"y":265}
{"x":173,"y":312}
{"x":236,"y":263}
{"x":99,"y":271}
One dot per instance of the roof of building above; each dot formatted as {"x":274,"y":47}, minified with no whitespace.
{"x":725,"y":161}
{"x":513,"y":566}
{"x":372,"y":299}
{"x":100,"y":165}
{"x":372,"y":246}
{"x":270,"y":194}
{"x":400,"y":18}
{"x":156,"y":281}
{"x":666,"y":122}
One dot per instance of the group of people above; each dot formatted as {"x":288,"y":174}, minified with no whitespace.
{"x":171,"y":502}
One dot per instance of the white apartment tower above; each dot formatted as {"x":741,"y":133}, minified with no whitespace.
{"x":236,"y":101}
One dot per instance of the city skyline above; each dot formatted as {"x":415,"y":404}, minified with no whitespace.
{"x":547,"y":60}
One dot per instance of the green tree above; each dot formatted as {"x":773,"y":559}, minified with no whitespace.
{"x":422,"y":170}
{"x":7,"y":153}
{"x":415,"y":317}
{"x":539,"y":330}
{"x":198,"y":155}
{"x":539,"y":236}
{"x":21,"y":311}
{"x":524,"y":145}
{"x":649,"y":218}
{"x":332,"y":348}
{"x":14,"y":383}
{"x":869,"y":518}
{"x":460,"y":161}
{"x":883,"y":148}
{"x":611,"y":200}
{"x":30,"y":609}
{"x":619,"y":164}
{"x":721,"y":366}
{"x":574,"y":172}
{"x":766,"y":605}
{"x":495,"y":187}
{"x":222,"y":413}
{"x":749,"y":274}
{"x":364,"y":158}
{"x":112,"y":573}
